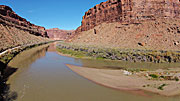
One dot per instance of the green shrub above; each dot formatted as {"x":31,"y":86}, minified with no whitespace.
{"x":161,"y":87}
{"x":154,"y":76}
{"x":176,"y":78}
{"x":162,"y":77}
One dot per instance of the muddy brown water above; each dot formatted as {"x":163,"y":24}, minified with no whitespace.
{"x":43,"y":76}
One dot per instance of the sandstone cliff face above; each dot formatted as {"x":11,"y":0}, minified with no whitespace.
{"x":129,"y":11}
{"x":9,"y":18}
{"x":17,"y":31}
{"x":131,"y":24}
{"x":58,"y":34}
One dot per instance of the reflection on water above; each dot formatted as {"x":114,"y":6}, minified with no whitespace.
{"x":52,"y":47}
{"x":24,"y":59}
{"x":27,"y":57}
{"x":43,"y":76}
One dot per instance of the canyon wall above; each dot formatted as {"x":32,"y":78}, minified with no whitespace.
{"x":9,"y":18}
{"x":129,"y":11}
{"x":131,"y":24}
{"x":58,"y":34}
{"x":17,"y":31}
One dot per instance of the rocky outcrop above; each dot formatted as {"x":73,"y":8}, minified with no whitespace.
{"x":17,"y":31}
{"x":9,"y":18}
{"x":131,"y":24}
{"x":129,"y":11}
{"x":58,"y":34}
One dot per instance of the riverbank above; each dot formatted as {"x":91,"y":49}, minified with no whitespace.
{"x":8,"y":54}
{"x":5,"y":71}
{"x":163,"y":82}
{"x":132,"y":55}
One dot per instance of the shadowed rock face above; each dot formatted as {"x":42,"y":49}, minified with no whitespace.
{"x":129,"y":11}
{"x":58,"y":34}
{"x":10,"y":18}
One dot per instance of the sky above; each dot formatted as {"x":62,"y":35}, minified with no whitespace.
{"x":62,"y":14}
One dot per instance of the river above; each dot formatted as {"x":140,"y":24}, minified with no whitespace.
{"x":42,"y":75}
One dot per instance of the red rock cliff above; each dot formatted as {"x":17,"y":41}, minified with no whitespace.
{"x":10,"y":18}
{"x":58,"y":34}
{"x":129,"y":11}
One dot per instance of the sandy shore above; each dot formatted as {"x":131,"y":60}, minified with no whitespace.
{"x":118,"y":80}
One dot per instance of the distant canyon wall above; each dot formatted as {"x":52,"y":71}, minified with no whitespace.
{"x":129,"y":11}
{"x":58,"y":34}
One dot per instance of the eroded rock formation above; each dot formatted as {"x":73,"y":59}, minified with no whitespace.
{"x":9,"y":18}
{"x":17,"y":31}
{"x":58,"y":34}
{"x":129,"y":11}
{"x":131,"y":24}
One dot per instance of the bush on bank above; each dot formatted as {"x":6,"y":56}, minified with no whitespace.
{"x":133,"y":55}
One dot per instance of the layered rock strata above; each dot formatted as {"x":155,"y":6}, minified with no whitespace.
{"x":9,"y":18}
{"x":17,"y":31}
{"x":129,"y":11}
{"x":131,"y":24}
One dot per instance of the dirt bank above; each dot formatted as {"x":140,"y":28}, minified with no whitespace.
{"x":124,"y":80}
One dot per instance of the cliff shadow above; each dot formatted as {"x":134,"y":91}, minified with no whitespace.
{"x":5,"y":73}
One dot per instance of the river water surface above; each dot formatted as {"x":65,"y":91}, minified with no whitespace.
{"x":42,"y":75}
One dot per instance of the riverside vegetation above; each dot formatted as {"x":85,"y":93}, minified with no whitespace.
{"x":133,"y":55}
